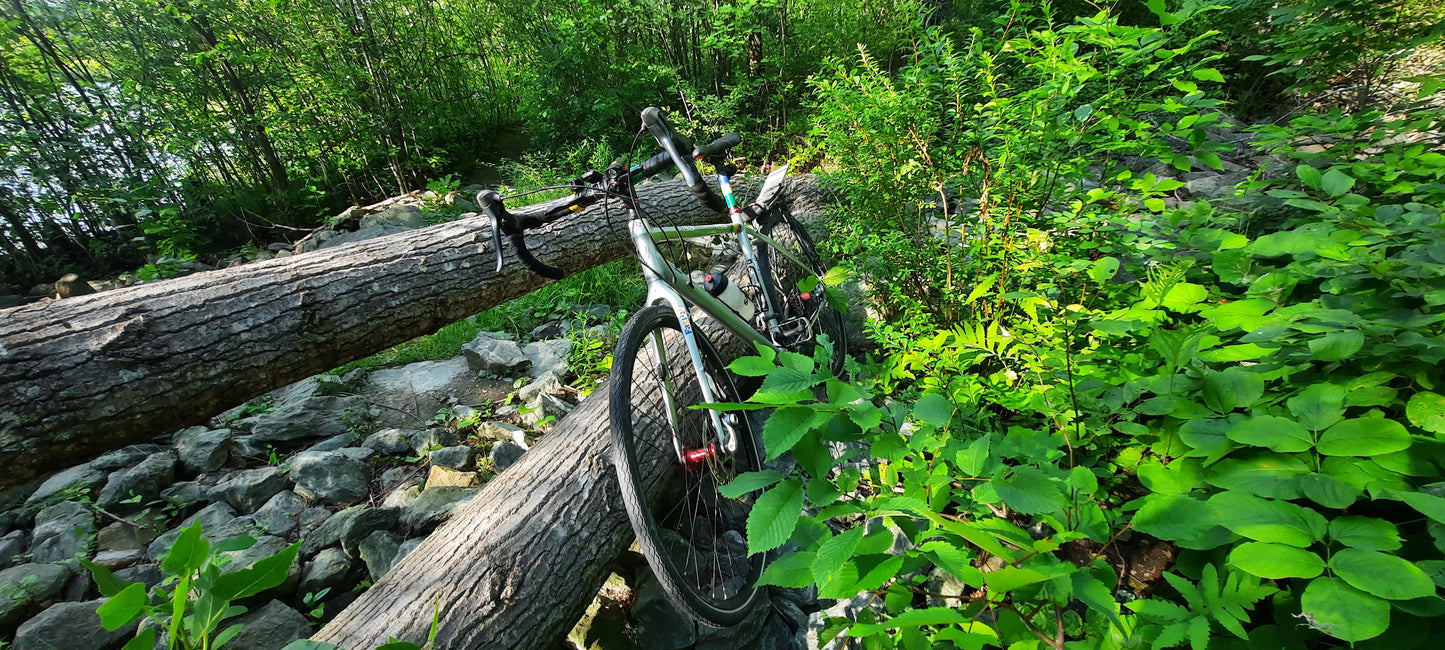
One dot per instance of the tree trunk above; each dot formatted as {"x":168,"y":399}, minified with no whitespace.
{"x":85,"y":375}
{"x":518,"y":564}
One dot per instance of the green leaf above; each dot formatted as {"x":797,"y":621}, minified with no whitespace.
{"x":1328,"y":491}
{"x":785,"y":427}
{"x":1208,"y":74}
{"x":266,"y":573}
{"x":1381,"y":574}
{"x":835,"y":552}
{"x":1309,"y":175}
{"x":227,"y":634}
{"x":1105,"y":268}
{"x":836,"y":276}
{"x":1028,"y":490}
{"x":1265,"y":475}
{"x":774,"y":516}
{"x":1275,"y":433}
{"x":974,"y":457}
{"x":786,"y":384}
{"x":1154,"y":205}
{"x":1335,"y":346}
{"x":105,"y":582}
{"x":1366,"y":533}
{"x":1096,"y":595}
{"x":934,"y":409}
{"x":1083,"y":112}
{"x":747,"y":482}
{"x":752,"y":366}
{"x":793,"y":570}
{"x":123,"y":607}
{"x":1427,"y":411}
{"x":1179,"y":477}
{"x":146,"y":640}
{"x":1010,"y":578}
{"x":1336,"y":182}
{"x":1268,"y":520}
{"x":912,"y":618}
{"x":1233,"y":388}
{"x":188,"y":553}
{"x":1364,"y":437}
{"x":1427,"y":504}
{"x":1276,"y":561}
{"x":1343,"y":612}
{"x":1173,"y":517}
{"x":1185,"y":296}
{"x":1318,"y":406}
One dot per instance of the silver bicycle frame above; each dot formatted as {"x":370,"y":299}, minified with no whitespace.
{"x":667,"y":284}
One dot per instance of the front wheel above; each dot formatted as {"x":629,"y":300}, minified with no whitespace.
{"x":693,"y":537}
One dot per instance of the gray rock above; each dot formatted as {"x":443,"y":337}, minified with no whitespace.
{"x":114,"y":560}
{"x":330,"y":570}
{"x":364,"y":522}
{"x":309,"y":418}
{"x":62,"y":532}
{"x":273,"y":626}
{"x":659,"y":623}
{"x":405,"y":548}
{"x":544,"y":407}
{"x":70,"y":483}
{"x":124,"y":536}
{"x":406,"y":216}
{"x":148,"y":574}
{"x":459,"y":457}
{"x":250,"y":489}
{"x":12,"y":544}
{"x":23,"y":588}
{"x":548,"y":356}
{"x":416,"y":391}
{"x":124,"y":457}
{"x":329,"y":477}
{"x":402,"y":496}
{"x":505,"y":453}
{"x":329,"y":532}
{"x":281,"y":514}
{"x":544,"y":383}
{"x":390,"y":441}
{"x":362,"y":235}
{"x":311,"y":519}
{"x":73,"y":626}
{"x":395,"y":476}
{"x":145,"y":480}
{"x":334,"y":443}
{"x":1214,"y":185}
{"x":379,"y":551}
{"x":186,"y":493}
{"x":265,"y":547}
{"x":548,"y":330}
{"x":218,"y":522}
{"x":434,"y":507}
{"x":203,"y":450}
{"x":503,"y":431}
{"x":423,"y":442}
{"x":248,"y":447}
{"x":493,"y":355}
{"x":294,"y":392}
{"x":355,"y":453}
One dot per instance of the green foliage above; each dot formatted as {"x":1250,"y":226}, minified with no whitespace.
{"x":197,"y":595}
{"x":1260,"y":393}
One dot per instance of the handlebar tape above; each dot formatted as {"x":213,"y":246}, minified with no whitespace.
{"x":544,"y":270}
{"x":514,"y":228}
{"x":675,"y":144}
{"x":728,"y":141}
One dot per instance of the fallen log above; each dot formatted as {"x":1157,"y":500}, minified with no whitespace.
{"x":518,"y":564}
{"x":85,"y":375}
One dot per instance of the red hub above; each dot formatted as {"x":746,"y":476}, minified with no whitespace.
{"x":692,"y":458}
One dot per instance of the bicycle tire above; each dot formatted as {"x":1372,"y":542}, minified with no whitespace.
{"x":781,"y":276}
{"x":714,"y":580}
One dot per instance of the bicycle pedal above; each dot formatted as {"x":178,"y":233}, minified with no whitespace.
{"x":792,"y":331}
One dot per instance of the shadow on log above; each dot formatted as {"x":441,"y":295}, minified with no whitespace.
{"x":85,"y":375}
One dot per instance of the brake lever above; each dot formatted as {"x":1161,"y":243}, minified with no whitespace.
{"x":496,"y":231}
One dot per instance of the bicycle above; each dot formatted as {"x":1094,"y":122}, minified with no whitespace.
{"x":664,"y":366}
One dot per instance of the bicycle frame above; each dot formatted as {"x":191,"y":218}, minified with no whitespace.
{"x":666,"y":283}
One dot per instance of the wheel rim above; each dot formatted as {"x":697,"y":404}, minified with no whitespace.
{"x":702,"y":532}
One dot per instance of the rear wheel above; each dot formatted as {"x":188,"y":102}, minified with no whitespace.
{"x":693,"y":537}
{"x":803,"y":314}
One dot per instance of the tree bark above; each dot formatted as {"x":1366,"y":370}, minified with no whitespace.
{"x":85,"y":375}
